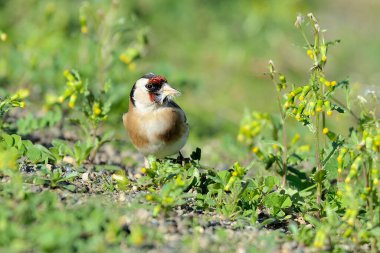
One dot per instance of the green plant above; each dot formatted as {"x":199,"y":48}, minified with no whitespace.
{"x":55,"y":177}
{"x":346,"y":170}
{"x":11,"y":101}
{"x":30,"y":123}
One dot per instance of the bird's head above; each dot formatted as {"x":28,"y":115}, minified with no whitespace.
{"x":152,"y":91}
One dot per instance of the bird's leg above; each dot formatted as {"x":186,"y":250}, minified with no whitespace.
{"x":180,"y":158}
{"x":146,"y":162}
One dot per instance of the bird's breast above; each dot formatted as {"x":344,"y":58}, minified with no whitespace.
{"x":156,"y":130}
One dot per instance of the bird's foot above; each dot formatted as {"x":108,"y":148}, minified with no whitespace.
{"x":181,"y":159}
{"x":146,"y":162}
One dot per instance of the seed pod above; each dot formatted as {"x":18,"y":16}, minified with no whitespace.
{"x":271,"y":67}
{"x":72,"y":101}
{"x":323,"y":50}
{"x":348,"y":232}
{"x":311,"y":108}
{"x":327,"y":105}
{"x":296,"y":92}
{"x":301,"y":107}
{"x":231,"y":181}
{"x":328,"y":109}
{"x":368,"y":142}
{"x":319,"y":105}
{"x":340,"y":157}
{"x":305,"y":91}
{"x":343,"y":151}
{"x":289,"y":102}
{"x":356,"y":164}
{"x":365,"y":134}
{"x":296,"y":138}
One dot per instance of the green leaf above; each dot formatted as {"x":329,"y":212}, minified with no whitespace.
{"x":277,"y":200}
{"x":8,"y":139}
{"x":271,"y":181}
{"x":332,"y":136}
{"x":33,"y":154}
{"x":69,"y":187}
{"x":331,"y":167}
{"x":319,"y":176}
{"x":196,"y":155}
{"x":267,"y":222}
{"x":17,"y":141}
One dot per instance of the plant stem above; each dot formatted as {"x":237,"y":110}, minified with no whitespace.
{"x":368,"y":183}
{"x":345,"y":107}
{"x":284,"y":134}
{"x":284,"y":141}
{"x":318,"y":157}
{"x":285,"y":153}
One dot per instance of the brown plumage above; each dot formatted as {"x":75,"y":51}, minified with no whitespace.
{"x":155,"y":124}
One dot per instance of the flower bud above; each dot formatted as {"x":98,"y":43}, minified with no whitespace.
{"x":296,"y":92}
{"x":305,"y":91}
{"x":73,"y":99}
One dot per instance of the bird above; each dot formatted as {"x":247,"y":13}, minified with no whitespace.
{"x":155,"y":124}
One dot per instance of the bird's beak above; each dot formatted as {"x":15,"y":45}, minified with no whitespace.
{"x":169,"y":91}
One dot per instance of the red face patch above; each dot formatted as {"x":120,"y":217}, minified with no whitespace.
{"x":152,"y":97}
{"x":157,"y":80}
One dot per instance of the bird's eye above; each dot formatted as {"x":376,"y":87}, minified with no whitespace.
{"x":149,"y":86}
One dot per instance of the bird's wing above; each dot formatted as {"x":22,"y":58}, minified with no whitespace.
{"x":173,"y":104}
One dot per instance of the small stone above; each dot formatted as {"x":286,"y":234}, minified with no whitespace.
{"x":85,"y":176}
{"x":69,"y":160}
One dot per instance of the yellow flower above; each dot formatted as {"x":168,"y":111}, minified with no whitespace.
{"x":125,"y":59}
{"x":84,"y":29}
{"x":22,"y":104}
{"x":325,"y":130}
{"x":255,"y":150}
{"x":348,"y":180}
{"x":132,"y":66}
{"x":3,"y":36}
{"x":310,"y":54}
{"x":149,"y":197}
{"x":240,"y":137}
{"x":333,"y":83}
{"x":21,"y":94}
{"x":329,"y":113}
{"x":328,"y":84}
{"x":96,"y":108}
{"x":234,"y":174}
{"x":324,"y":58}
{"x":340,"y":171}
{"x":143,"y":170}
{"x":61,"y":99}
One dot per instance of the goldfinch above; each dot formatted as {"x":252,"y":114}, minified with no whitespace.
{"x":155,"y":124}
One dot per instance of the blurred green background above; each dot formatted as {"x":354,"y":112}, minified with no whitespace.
{"x":215,"y":52}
